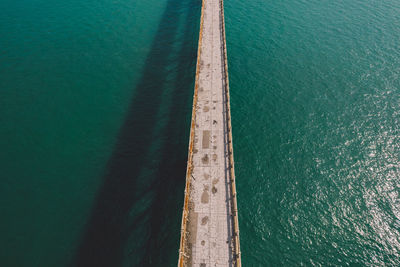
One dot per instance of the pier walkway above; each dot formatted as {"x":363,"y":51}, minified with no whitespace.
{"x":210,"y":230}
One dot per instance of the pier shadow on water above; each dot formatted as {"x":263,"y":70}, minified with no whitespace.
{"x":136,"y":216}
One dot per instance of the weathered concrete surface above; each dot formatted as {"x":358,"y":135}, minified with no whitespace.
{"x":208,"y":232}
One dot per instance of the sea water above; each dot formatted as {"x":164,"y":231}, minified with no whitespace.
{"x":95,"y":108}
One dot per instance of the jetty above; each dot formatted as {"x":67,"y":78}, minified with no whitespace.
{"x":210,"y":227}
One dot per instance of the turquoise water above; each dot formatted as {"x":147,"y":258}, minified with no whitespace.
{"x":316,"y":116}
{"x":95,"y":102}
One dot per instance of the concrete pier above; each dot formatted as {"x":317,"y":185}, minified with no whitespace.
{"x":210,"y":230}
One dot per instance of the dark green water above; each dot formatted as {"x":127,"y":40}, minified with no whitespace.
{"x":94,"y":113}
{"x":95,"y":102}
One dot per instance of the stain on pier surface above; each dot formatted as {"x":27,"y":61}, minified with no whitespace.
{"x":192,"y":236}
{"x":214,"y":190}
{"x":205,"y":197}
{"x":206,"y":139}
{"x":205,"y":159}
{"x":204,"y":220}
